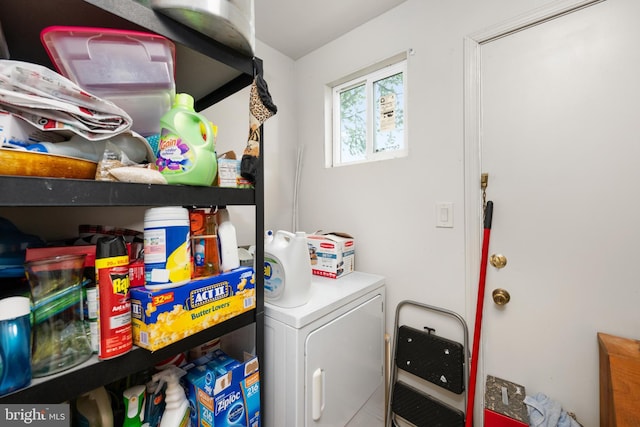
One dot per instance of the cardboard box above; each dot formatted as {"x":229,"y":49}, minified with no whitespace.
{"x":162,"y":317}
{"x":16,"y":131}
{"x":225,"y":392}
{"x":332,"y":254}
{"x":229,"y":174}
{"x":195,"y":372}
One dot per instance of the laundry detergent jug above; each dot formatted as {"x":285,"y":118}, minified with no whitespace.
{"x":287,"y":269}
{"x":186,"y":150}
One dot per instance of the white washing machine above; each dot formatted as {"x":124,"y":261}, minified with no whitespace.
{"x":324,"y":360}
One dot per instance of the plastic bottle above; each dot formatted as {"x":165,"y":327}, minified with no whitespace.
{"x":287,"y":269}
{"x":176,"y":411}
{"x":228,"y":239}
{"x":82,"y":148}
{"x":134,"y":400}
{"x":154,"y":403}
{"x":94,"y":409}
{"x":186,"y":152}
{"x":204,"y":248}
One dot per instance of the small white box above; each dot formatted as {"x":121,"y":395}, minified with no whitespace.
{"x":332,"y":254}
{"x":16,"y":131}
{"x":229,"y":174}
{"x":228,"y":171}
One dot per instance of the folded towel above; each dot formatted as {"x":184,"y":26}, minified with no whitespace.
{"x":545,"y":412}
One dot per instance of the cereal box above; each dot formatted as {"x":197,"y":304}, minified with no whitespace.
{"x":162,"y":317}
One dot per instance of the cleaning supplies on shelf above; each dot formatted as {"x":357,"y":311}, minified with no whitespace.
{"x":114,"y":304}
{"x":186,"y":152}
{"x":204,"y":243}
{"x":228,"y":239}
{"x":134,"y":402}
{"x":156,"y":393}
{"x":176,"y":412}
{"x":167,"y":247}
{"x":287,"y":268}
{"x":93,"y":409}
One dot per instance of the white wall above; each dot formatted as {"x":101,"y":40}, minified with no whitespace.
{"x":279,"y":142}
{"x":389,"y":206}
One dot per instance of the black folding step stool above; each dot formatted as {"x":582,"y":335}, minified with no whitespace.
{"x":438,"y":360}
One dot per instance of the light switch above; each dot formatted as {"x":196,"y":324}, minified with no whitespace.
{"x":444,"y":214}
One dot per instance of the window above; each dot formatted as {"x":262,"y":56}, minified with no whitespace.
{"x":369,"y":115}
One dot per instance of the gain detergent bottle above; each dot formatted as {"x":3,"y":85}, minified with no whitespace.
{"x":186,"y":153}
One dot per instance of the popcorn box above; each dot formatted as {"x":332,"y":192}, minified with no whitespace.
{"x":226,"y":392}
{"x":332,"y":254}
{"x":162,"y":317}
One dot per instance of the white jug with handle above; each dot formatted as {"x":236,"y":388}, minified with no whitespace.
{"x":287,"y":269}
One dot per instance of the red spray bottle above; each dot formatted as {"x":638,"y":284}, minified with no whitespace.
{"x":114,"y":305}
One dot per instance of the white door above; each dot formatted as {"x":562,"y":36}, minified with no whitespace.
{"x":559,"y":113}
{"x":343,"y":364}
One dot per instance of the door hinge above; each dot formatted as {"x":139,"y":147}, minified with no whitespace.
{"x":484,"y":183}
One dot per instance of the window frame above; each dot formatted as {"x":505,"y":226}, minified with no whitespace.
{"x":368,"y":76}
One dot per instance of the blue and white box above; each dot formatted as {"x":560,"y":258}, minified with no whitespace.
{"x":227,"y":392}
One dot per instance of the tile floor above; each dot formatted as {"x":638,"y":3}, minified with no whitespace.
{"x":372,"y":413}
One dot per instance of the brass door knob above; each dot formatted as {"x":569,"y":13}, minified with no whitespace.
{"x":500,"y":296}
{"x":498,"y":260}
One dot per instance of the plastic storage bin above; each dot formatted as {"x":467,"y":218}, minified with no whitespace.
{"x":60,"y":340}
{"x":134,"y":70}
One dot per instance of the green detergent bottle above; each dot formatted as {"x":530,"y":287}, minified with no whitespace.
{"x":186,"y":152}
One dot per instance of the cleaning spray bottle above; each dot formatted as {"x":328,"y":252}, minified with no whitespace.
{"x":134,"y":400}
{"x":287,"y":269}
{"x":186,"y":152}
{"x":176,"y":412}
{"x":93,"y":409}
{"x":154,"y":403}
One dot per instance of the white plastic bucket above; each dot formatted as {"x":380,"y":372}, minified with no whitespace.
{"x":167,"y":247}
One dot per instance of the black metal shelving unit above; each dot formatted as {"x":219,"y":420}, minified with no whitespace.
{"x":32,"y":191}
{"x":94,"y":373}
{"x":207,"y":70}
